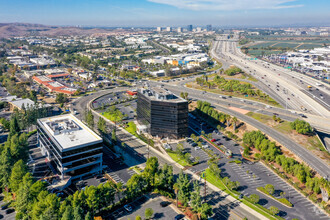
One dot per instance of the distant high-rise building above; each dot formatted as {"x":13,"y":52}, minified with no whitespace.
{"x":198,"y":29}
{"x":179,"y":29}
{"x":189,"y":27}
{"x":209,"y":27}
{"x":159,"y":29}
{"x":168,"y":29}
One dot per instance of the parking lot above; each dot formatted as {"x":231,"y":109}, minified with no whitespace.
{"x":251,"y":175}
{"x":140,"y":205}
{"x":4,"y":210}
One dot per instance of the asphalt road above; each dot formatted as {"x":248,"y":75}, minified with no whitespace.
{"x":316,"y":163}
{"x":224,"y":207}
{"x":271,"y":75}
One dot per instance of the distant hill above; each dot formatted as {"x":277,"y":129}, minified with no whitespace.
{"x":25,"y":29}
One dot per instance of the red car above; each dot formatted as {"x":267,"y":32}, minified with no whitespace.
{"x":213,"y":140}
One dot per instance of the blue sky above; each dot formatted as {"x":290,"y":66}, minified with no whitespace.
{"x":166,"y":12}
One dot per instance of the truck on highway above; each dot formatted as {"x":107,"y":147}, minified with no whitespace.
{"x":318,"y":84}
{"x":309,"y":87}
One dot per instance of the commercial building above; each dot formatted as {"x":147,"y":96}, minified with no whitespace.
{"x":159,"y":29}
{"x":189,"y":27}
{"x":163,"y":113}
{"x":208,"y":27}
{"x":72,"y":149}
{"x":168,"y":29}
{"x":179,"y":29}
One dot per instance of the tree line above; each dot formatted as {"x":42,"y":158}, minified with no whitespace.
{"x":273,"y":154}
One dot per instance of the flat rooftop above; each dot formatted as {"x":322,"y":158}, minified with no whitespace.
{"x":69,"y":131}
{"x":161,"y":94}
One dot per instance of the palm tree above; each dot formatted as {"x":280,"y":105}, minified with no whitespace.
{"x":228,"y":117}
{"x":234,"y":120}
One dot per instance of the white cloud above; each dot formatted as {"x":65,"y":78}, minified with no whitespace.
{"x":227,"y":5}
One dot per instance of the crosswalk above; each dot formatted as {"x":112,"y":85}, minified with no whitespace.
{"x":116,"y":178}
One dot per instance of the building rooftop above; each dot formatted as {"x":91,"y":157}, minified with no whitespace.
{"x":69,"y":131}
{"x":161,"y":94}
{"x":19,"y":103}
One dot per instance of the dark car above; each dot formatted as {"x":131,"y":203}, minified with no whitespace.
{"x":8,"y":211}
{"x":178,"y":217}
{"x":5,"y":206}
{"x":164,"y":203}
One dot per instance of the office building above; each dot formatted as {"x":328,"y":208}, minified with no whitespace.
{"x":73,"y":150}
{"x":208,"y":27}
{"x":189,"y":27}
{"x":199,"y":29}
{"x":179,"y":29}
{"x":168,"y":29}
{"x":162,"y":113}
{"x":159,"y":29}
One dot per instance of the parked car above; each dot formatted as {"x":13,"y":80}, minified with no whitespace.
{"x":213,"y":140}
{"x":8,"y":211}
{"x":164,"y":203}
{"x":128,"y":208}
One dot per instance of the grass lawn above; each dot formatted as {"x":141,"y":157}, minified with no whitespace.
{"x":215,"y":181}
{"x":131,"y":128}
{"x":260,"y":117}
{"x":284,"y":127}
{"x":176,"y":158}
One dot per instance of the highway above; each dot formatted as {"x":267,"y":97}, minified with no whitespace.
{"x":322,"y":167}
{"x":225,"y":207}
{"x":277,"y":79}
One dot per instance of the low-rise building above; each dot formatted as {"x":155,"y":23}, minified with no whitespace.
{"x":72,"y":149}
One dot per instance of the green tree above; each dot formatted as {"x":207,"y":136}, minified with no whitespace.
{"x":274,"y":210}
{"x":67,"y":215}
{"x":88,"y":216}
{"x":14,"y":127}
{"x":90,"y":119}
{"x":205,"y":211}
{"x":61,"y":98}
{"x":17,"y":173}
{"x":254,"y":198}
{"x":195,"y":198}
{"x":183,"y":188}
{"x":270,"y":189}
{"x":138,"y":217}
{"x":148,"y":213}
{"x":5,"y":167}
{"x":78,"y":213}
{"x":152,"y":167}
{"x":101,"y":125}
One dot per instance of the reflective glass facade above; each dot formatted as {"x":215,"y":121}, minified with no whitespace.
{"x":163,"y":118}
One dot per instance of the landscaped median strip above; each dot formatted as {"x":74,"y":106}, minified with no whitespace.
{"x":219,"y":184}
{"x":283,"y":201}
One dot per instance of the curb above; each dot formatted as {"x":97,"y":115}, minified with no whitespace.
{"x":296,"y":189}
{"x":274,"y":199}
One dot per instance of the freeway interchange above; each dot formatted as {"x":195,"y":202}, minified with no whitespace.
{"x":290,"y":86}
{"x":318,"y":116}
